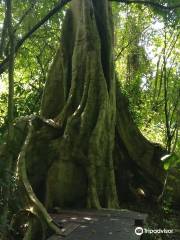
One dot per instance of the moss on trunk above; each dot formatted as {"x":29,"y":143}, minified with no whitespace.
{"x":88,"y":115}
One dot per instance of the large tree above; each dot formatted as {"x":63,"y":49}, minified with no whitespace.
{"x":82,"y":97}
{"x":84,"y":150}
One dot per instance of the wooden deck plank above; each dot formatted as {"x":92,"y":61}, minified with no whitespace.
{"x":97,"y":225}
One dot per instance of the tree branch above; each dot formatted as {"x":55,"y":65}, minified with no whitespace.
{"x":62,"y":3}
{"x":11,"y":71}
{"x":150,"y":3}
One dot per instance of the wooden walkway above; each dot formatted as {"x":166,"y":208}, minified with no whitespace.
{"x":98,"y":225}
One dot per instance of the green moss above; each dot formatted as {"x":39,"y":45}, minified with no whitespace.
{"x":66,"y":185}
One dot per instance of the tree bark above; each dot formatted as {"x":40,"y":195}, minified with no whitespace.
{"x":8,"y":160}
{"x":82,"y":75}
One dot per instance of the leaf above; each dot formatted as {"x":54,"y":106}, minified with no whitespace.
{"x":170,"y":160}
{"x":166,"y":166}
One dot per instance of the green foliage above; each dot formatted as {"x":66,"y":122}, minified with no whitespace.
{"x":33,"y":59}
{"x":12,"y":201}
{"x":170,"y":161}
{"x":147,"y":57}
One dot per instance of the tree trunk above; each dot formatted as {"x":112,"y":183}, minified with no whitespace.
{"x":91,"y":154}
{"x":80,"y":94}
{"x":82,"y":77}
{"x":10,"y":117}
{"x":96,"y":144}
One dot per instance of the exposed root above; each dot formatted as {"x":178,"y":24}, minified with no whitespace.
{"x":31,"y":202}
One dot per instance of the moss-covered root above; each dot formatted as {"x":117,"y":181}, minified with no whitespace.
{"x":31,"y":203}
